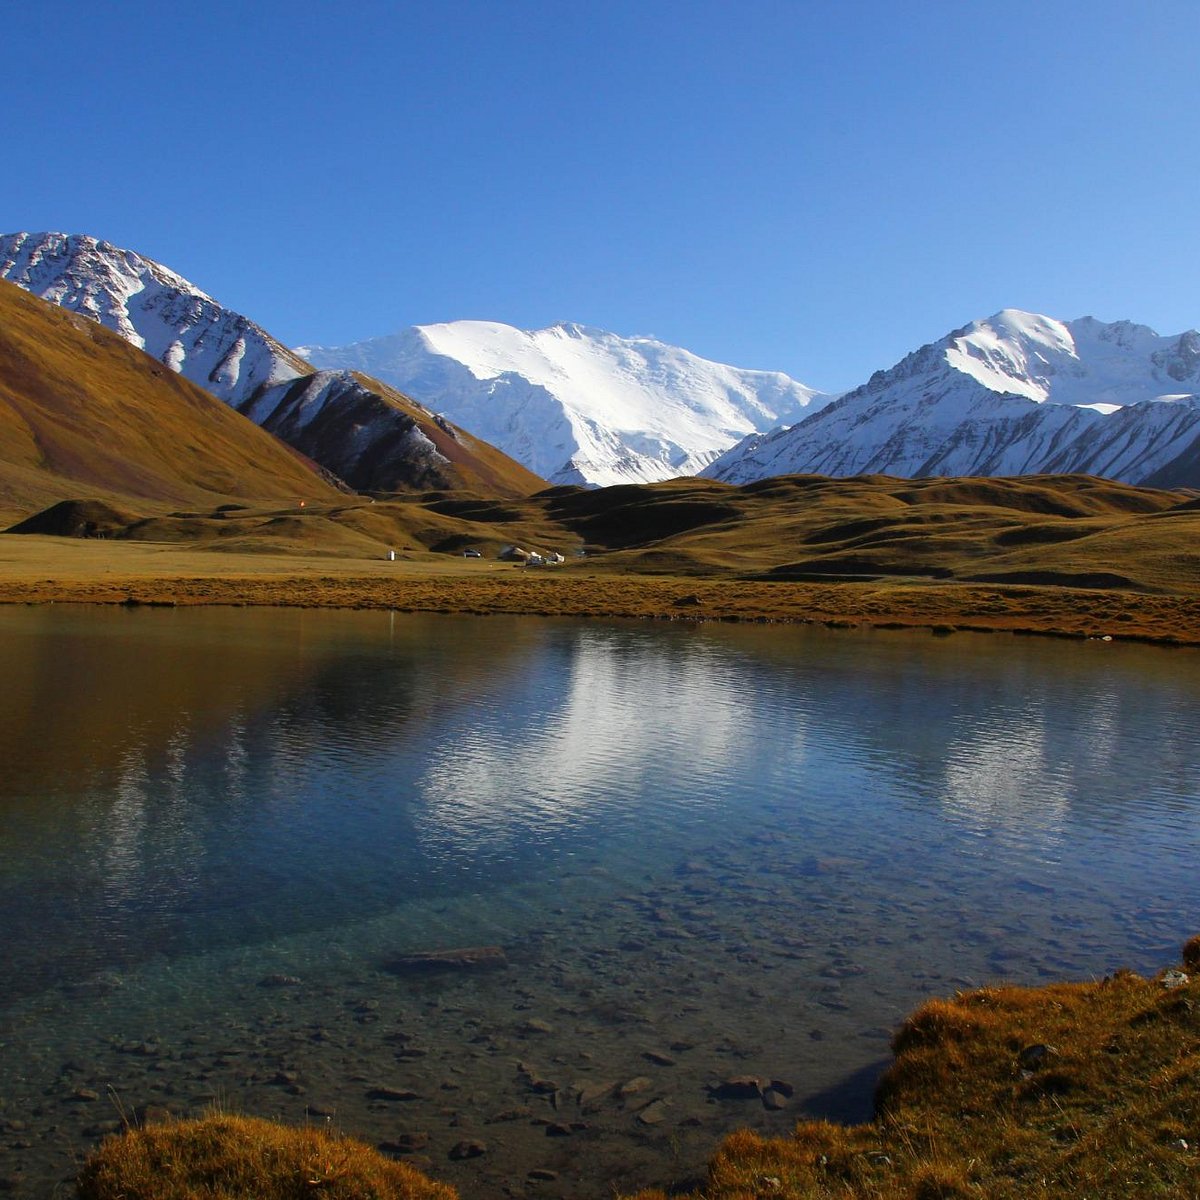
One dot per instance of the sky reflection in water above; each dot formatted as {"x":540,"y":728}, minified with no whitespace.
{"x":183,"y":779}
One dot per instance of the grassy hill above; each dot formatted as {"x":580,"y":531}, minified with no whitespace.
{"x":1067,"y":530}
{"x":85,"y":415}
{"x":1074,"y":532}
{"x":82,"y":413}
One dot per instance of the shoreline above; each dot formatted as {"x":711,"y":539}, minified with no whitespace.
{"x":45,"y":570}
{"x":940,"y":608}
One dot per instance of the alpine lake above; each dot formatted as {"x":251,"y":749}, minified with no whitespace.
{"x":684,"y":854}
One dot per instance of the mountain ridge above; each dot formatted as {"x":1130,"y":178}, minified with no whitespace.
{"x":83,"y":413}
{"x":1014,"y":394}
{"x":152,"y":308}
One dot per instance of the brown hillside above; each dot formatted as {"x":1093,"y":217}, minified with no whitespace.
{"x":475,"y":465}
{"x":82,"y":413}
{"x":1064,"y":532}
{"x":378,"y":440}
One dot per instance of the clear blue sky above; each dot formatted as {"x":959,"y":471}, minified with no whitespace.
{"x":809,"y":187}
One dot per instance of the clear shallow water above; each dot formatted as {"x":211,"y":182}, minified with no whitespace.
{"x":740,"y":850}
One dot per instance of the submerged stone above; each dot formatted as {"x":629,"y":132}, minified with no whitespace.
{"x":737,"y":1087}
{"x":279,"y":981}
{"x":384,"y":1092}
{"x":466,"y":958}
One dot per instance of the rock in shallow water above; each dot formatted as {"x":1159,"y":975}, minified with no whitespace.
{"x":466,"y":958}
{"x":280,"y":981}
{"x":386,"y":1092}
{"x":738,"y":1087}
{"x":468,"y":1149}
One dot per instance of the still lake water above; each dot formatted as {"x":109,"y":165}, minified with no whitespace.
{"x":707,"y":851}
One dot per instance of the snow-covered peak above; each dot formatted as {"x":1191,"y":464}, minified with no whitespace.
{"x":578,"y":404}
{"x":151,"y":307}
{"x":1016,"y":393}
{"x":1085,"y":361}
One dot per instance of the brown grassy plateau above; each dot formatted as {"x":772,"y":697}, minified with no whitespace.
{"x":1069,"y":554}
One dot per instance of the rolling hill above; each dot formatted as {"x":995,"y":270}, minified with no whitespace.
{"x":83,"y":413}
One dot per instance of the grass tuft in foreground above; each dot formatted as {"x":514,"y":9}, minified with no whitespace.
{"x":1081,"y":1090}
{"x":224,"y":1157}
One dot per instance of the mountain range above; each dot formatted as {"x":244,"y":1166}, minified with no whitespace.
{"x":1015,"y":394}
{"x":367,"y":434}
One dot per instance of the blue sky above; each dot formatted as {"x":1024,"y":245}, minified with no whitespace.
{"x":816,"y":188}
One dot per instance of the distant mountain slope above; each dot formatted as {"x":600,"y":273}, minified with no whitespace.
{"x":578,"y":405}
{"x":365,"y":432}
{"x":377,"y":439}
{"x":1016,"y":394}
{"x":82,"y":413}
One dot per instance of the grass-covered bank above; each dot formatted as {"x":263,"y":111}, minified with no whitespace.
{"x":1071,"y":1089}
{"x":54,"y":570}
{"x":1071,"y":555}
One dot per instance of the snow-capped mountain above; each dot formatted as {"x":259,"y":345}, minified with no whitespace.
{"x":1015,"y":394}
{"x":368,"y":436}
{"x":151,"y":307}
{"x":578,"y":405}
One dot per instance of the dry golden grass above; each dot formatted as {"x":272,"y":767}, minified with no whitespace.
{"x":1071,"y":1090}
{"x":223,"y":1157}
{"x":41,"y":570}
{"x":84,"y":413}
{"x":1069,"y":555}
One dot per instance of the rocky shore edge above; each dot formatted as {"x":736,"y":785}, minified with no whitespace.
{"x":1088,"y":1088}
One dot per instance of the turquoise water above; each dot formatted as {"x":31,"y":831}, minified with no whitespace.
{"x":705,"y":851}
